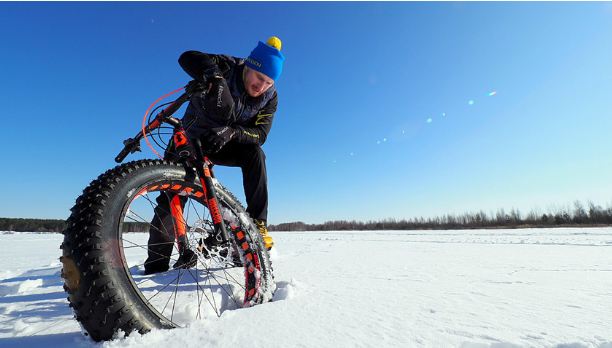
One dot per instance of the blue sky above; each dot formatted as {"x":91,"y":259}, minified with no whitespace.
{"x":351,"y":138}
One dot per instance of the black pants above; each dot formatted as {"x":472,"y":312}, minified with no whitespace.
{"x":251,"y":159}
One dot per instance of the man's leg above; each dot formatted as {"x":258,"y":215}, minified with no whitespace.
{"x":252,"y":161}
{"x":163,"y":233}
{"x":161,"y":237}
{"x":255,"y":182}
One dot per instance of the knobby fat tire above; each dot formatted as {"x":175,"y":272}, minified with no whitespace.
{"x":100,"y":290}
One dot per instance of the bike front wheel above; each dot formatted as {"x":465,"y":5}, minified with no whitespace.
{"x":110,"y":235}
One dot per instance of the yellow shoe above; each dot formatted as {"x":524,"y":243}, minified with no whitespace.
{"x":263,"y":230}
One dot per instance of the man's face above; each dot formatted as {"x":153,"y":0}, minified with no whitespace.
{"x":256,"y":83}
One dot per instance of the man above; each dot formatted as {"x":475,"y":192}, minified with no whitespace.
{"x":232,"y":119}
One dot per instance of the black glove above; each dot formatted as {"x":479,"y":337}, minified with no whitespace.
{"x":210,"y":73}
{"x":215,"y":138}
{"x":212,"y":77}
{"x":195,"y":86}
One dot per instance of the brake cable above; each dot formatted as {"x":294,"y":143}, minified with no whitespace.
{"x":144,"y":120}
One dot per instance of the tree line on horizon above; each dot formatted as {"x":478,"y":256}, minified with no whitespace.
{"x":578,"y":215}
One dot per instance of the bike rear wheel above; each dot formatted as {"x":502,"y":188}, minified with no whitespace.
{"x":104,"y":254}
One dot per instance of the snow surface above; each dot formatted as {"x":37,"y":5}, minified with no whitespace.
{"x":469,"y":288}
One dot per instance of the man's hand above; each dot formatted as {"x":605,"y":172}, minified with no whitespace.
{"x":215,"y":138}
{"x":211,"y":73}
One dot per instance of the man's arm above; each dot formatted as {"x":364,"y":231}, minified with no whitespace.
{"x":198,"y":64}
{"x":258,"y":128}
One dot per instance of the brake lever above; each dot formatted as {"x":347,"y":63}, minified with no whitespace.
{"x":131,"y":145}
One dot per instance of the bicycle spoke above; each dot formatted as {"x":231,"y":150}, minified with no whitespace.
{"x":208,"y":273}
{"x":213,"y":303}
{"x":212,"y":276}
{"x":155,"y":206}
{"x":151,"y":251}
{"x":175,"y":294}
{"x":234,"y":279}
{"x":198,"y":315}
{"x":150,"y":226}
{"x":159,"y":291}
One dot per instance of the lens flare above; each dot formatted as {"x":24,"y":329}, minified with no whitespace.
{"x":429,"y":120}
{"x":492,"y":93}
{"x":471,"y":102}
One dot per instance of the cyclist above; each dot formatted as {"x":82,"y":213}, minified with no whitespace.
{"x":232,"y":119}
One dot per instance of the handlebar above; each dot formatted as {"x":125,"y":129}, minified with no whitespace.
{"x":132,"y":145}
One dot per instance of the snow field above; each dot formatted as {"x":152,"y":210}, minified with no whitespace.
{"x":469,"y":288}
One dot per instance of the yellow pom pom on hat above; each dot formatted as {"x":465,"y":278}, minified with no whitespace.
{"x":275,"y":42}
{"x":267,"y":58}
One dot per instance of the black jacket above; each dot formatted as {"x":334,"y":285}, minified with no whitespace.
{"x":252,"y":117}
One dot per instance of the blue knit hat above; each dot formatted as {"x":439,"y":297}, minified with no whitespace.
{"x":267,"y":58}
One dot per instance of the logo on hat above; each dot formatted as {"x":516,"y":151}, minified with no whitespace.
{"x":254,"y":62}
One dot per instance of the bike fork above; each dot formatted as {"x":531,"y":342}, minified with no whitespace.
{"x":221,"y":235}
{"x":210,"y":195}
{"x":179,"y":223}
